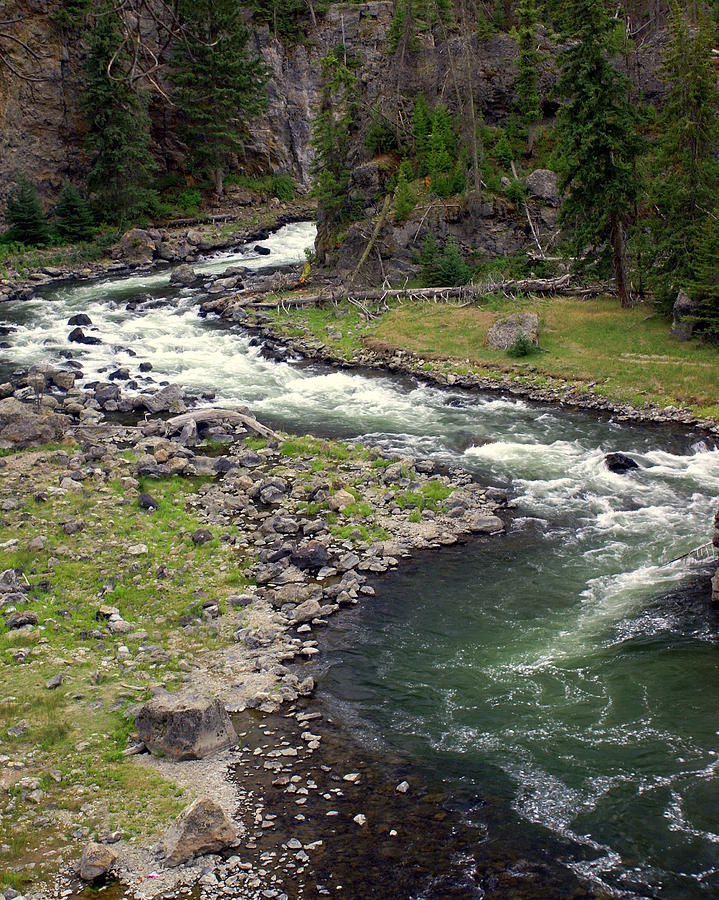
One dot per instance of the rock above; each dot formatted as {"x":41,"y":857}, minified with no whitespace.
{"x":483,"y":523}
{"x":79,"y":319}
{"x":340,"y":500}
{"x":168,"y":399}
{"x":360,"y":819}
{"x":684,"y":314}
{"x":184,"y":275}
{"x":184,"y":726}
{"x":402,"y":787}
{"x":22,"y":426}
{"x":504,"y":333}
{"x":54,"y":682}
{"x":96,"y":861}
{"x":138,"y":550}
{"x":145,"y":367}
{"x":715,"y":587}
{"x":201,"y":536}
{"x":306,"y":611}
{"x":263,"y":251}
{"x":21,"y":619}
{"x":542,"y":185}
{"x":619,"y":463}
{"x":312,"y":556}
{"x":137,"y":245}
{"x":146,"y":501}
{"x":10,"y":583}
{"x":78,"y":336}
{"x":106,"y":393}
{"x":36,"y":544}
{"x":201,"y":828}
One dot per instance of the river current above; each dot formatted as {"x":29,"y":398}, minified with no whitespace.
{"x":568,"y":668}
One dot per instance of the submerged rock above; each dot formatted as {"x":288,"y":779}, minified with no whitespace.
{"x":620,"y":463}
{"x":203,"y":827}
{"x":185,"y":726}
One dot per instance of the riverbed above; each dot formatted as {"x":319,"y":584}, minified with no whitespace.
{"x":563,"y":672}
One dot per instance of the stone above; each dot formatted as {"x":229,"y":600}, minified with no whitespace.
{"x":360,"y":819}
{"x":684,"y":314}
{"x":96,"y":861}
{"x":63,"y":380}
{"x":201,"y":536}
{"x":78,"y":336}
{"x":484,"y":523}
{"x":715,"y":587}
{"x":402,"y":787}
{"x":505,"y":333}
{"x":79,"y":319}
{"x":137,"y":245}
{"x":312,"y":556}
{"x":542,"y":185}
{"x":22,"y":426}
{"x":306,"y":611}
{"x":138,"y":550}
{"x":203,"y":827}
{"x":340,"y":500}
{"x":184,"y":275}
{"x":190,"y":725}
{"x":168,"y":399}
{"x":262,"y":251}
{"x":21,"y":619}
{"x":620,"y":463}
{"x":54,"y":682}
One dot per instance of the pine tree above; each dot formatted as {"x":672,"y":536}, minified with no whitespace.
{"x":220,"y":86}
{"x":421,"y":127}
{"x":704,"y":286}
{"x":405,"y":198}
{"x":686,"y":189}
{"x":118,"y":127}
{"x":597,"y":140}
{"x":75,"y":221}
{"x":25,"y":214}
{"x":526,"y":85}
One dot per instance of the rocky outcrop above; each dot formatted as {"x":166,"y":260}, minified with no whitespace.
{"x":506,"y":332}
{"x":542,"y":185}
{"x":203,"y":827}
{"x":185,"y":726}
{"x":29,"y":425}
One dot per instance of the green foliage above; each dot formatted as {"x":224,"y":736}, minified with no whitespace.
{"x":421,"y":128}
{"x":280,"y":186}
{"x":411,"y":18}
{"x":442,"y":269}
{"x":71,"y":13}
{"x":220,"y":85}
{"x":522,"y":346}
{"x":188,"y":201}
{"x":283,"y":187}
{"x":598,"y":143}
{"x":381,"y":137}
{"x":704,"y":285}
{"x":118,"y":127}
{"x":516,"y":193}
{"x":405,"y":198}
{"x":527,"y":101}
{"x":486,"y":29}
{"x":287,"y":18}
{"x":74,"y":218}
{"x":684,"y":193}
{"x":503,"y":150}
{"x":25,"y":215}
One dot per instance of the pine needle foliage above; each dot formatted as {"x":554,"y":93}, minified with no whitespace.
{"x":25,"y":215}
{"x":74,"y":218}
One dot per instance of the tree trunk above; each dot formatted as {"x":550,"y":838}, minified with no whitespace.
{"x":619,"y":249}
{"x":219,"y":187}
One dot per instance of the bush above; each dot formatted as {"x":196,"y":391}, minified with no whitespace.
{"x":75,"y":221}
{"x":381,"y":137}
{"x":445,"y":269}
{"x":25,"y":215}
{"x":516,"y":193}
{"x":188,"y":201}
{"x":522,"y":346}
{"x":503,"y":150}
{"x":283,"y":187}
{"x":405,"y":199}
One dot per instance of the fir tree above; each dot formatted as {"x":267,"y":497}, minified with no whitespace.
{"x":25,"y":214}
{"x":405,"y":198}
{"x":526,"y":85}
{"x":421,"y":128}
{"x":75,"y":221}
{"x":220,"y":86}
{"x":597,"y":140}
{"x":685,"y":192}
{"x":704,"y":286}
{"x":118,"y":127}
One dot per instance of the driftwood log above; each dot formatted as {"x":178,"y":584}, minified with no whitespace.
{"x":214,"y":416}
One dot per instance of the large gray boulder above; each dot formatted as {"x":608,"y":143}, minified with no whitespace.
{"x":184,"y":275}
{"x":542,"y":185}
{"x":683,"y":317}
{"x":505,"y":333}
{"x":203,"y":827}
{"x":96,"y":861}
{"x":137,"y":245}
{"x":168,"y":399}
{"x":21,"y":425}
{"x":190,"y":725}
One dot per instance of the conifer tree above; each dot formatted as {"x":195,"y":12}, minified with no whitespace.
{"x":597,"y":140}
{"x":405,"y":198}
{"x":421,"y":127}
{"x":686,"y":191}
{"x":25,"y":214}
{"x":118,"y":127}
{"x":220,"y":85}
{"x":704,"y":286}
{"x":75,"y":221}
{"x":526,"y":85}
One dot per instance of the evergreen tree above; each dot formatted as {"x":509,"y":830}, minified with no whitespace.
{"x":687,"y":187}
{"x":526,"y":85}
{"x":405,"y":198}
{"x":704,"y":286}
{"x":219,"y":84}
{"x":421,"y":128}
{"x":118,"y":127}
{"x":597,"y":140}
{"x":25,"y":214}
{"x":75,"y":221}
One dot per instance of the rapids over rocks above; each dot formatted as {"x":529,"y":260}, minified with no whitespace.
{"x":564,"y":670}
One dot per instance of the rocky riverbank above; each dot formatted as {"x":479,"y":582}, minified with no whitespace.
{"x":199,"y":551}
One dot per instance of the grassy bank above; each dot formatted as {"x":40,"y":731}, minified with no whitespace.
{"x":626,"y":356}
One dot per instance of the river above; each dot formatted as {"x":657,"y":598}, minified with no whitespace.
{"x":564,"y":668}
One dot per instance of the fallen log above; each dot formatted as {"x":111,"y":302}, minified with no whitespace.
{"x":215,"y":416}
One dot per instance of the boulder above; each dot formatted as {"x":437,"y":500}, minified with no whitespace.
{"x":340,"y":500}
{"x":183,"y":275}
{"x":203,"y":827}
{"x":96,"y":861}
{"x":21,"y":619}
{"x":22,"y":426}
{"x":63,"y":380}
{"x":715,"y":587}
{"x":168,"y":399}
{"x":306,"y":611}
{"x":262,"y":251}
{"x":310,"y":557}
{"x":506,"y":332}
{"x":184,"y":726}
{"x":137,"y":245}
{"x":684,"y":314}
{"x":78,"y":336}
{"x":542,"y":185}
{"x":619,"y":463}
{"x":79,"y":319}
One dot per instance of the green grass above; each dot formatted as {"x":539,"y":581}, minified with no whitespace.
{"x":624,"y":355}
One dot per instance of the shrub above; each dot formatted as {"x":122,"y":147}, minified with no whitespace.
{"x":75,"y":221}
{"x":454,"y":270}
{"x":522,"y":346}
{"x":188,"y":201}
{"x":283,"y":187}
{"x":516,"y":193}
{"x":25,"y":215}
{"x":503,"y":150}
{"x":405,"y":199}
{"x":381,"y":137}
